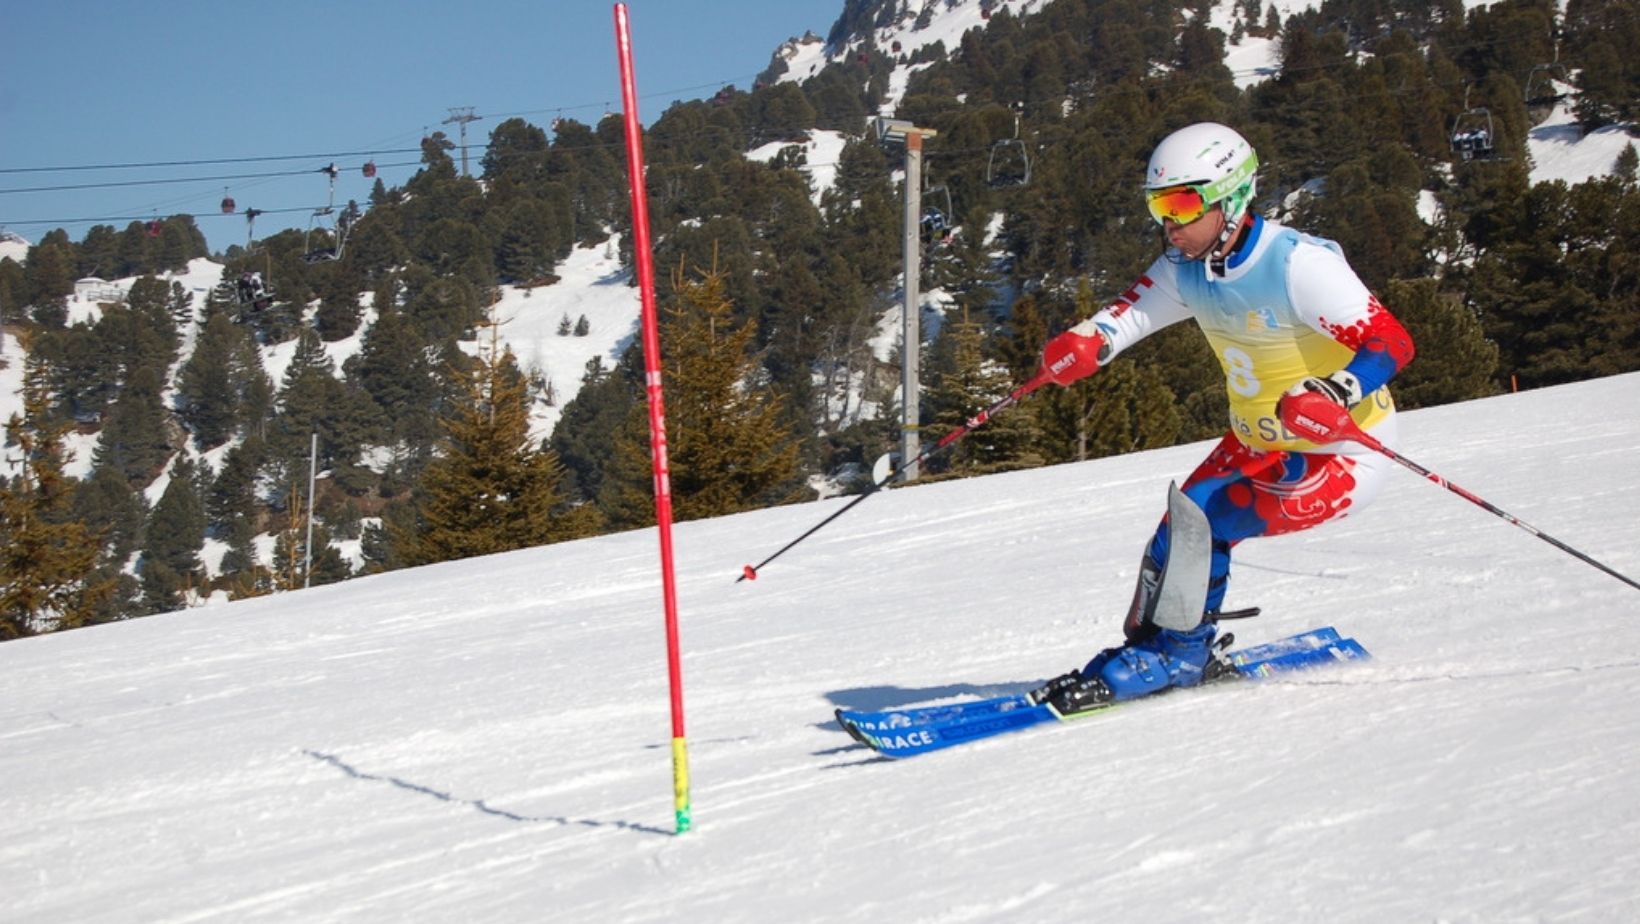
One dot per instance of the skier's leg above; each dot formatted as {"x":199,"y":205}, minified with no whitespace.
{"x":1243,"y":493}
{"x":1304,"y":491}
{"x":1190,"y":547}
{"x":1168,"y":641}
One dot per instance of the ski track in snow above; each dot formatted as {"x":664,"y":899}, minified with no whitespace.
{"x":489,"y":739}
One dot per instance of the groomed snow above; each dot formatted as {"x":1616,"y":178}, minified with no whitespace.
{"x":488,"y":740}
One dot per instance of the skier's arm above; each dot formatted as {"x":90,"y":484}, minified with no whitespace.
{"x":1332,"y":299}
{"x":1149,"y":305}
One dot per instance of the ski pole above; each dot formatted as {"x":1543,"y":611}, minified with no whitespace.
{"x":1320,"y":420}
{"x":749,"y":572}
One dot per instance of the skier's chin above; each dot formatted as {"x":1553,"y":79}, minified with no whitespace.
{"x":1180,"y":256}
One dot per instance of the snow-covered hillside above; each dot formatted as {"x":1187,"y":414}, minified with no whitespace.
{"x":1558,"y":147}
{"x":14,"y":246}
{"x":488,"y":740}
{"x":593,"y":285}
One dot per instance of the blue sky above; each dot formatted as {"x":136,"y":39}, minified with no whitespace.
{"x":104,"y":82}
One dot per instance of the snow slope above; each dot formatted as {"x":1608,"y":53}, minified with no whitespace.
{"x":592,"y":284}
{"x":1561,"y":150}
{"x":13,"y":246}
{"x":487,"y":740}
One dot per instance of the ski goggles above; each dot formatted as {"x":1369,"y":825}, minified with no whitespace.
{"x":1182,"y":204}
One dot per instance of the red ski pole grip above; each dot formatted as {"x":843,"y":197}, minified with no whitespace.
{"x":1318,"y":418}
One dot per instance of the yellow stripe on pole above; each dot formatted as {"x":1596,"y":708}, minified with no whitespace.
{"x":680,"y":782}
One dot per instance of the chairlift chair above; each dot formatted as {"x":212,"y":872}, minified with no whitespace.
{"x":337,"y":233}
{"x":1541,"y":91}
{"x":321,"y":243}
{"x":1541,"y":85}
{"x":1473,"y":135}
{"x":1009,"y":163}
{"x":253,"y":291}
{"x":938,"y":216}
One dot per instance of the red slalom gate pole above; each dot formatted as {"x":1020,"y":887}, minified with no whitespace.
{"x":1320,"y":420}
{"x":657,"y":410}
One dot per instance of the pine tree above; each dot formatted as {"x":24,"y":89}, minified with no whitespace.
{"x":1132,"y":409}
{"x":232,"y":496}
{"x":221,"y":386}
{"x":1455,"y":361}
{"x":46,"y":559}
{"x":135,"y":252}
{"x":590,"y":422}
{"x":730,"y":447}
{"x":50,"y":274}
{"x":313,"y":401}
{"x":527,"y":247}
{"x":490,"y":490}
{"x":134,"y":441}
{"x":13,"y":290}
{"x":153,"y":307}
{"x":626,"y":492}
{"x":106,"y":504}
{"x":293,"y":567}
{"x":287,"y":546}
{"x":967,"y":382}
{"x":180,"y":306}
{"x":338,"y":316}
{"x":170,"y":564}
{"x":395,"y":369}
{"x":446,"y":308}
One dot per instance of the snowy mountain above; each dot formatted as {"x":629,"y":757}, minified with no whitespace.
{"x":1559,"y":148}
{"x":488,"y":740}
{"x":14,"y":246}
{"x":594,"y":285}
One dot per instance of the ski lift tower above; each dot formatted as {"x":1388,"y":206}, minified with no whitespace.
{"x":462,"y":115}
{"x":900,"y":131}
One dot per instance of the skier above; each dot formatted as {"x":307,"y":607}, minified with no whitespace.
{"x":1285,"y":314}
{"x":253,"y":292}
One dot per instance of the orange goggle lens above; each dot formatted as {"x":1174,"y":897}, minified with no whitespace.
{"x":1183,"y":204}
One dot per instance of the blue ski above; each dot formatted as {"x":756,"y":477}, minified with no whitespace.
{"x":905,"y":732}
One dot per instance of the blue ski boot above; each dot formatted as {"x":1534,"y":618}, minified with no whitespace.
{"x":1165,"y":658}
{"x":1168,"y":658}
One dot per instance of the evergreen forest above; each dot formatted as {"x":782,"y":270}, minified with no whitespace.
{"x":771,"y":295}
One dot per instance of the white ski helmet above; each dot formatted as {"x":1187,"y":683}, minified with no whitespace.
{"x":1213,"y":160}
